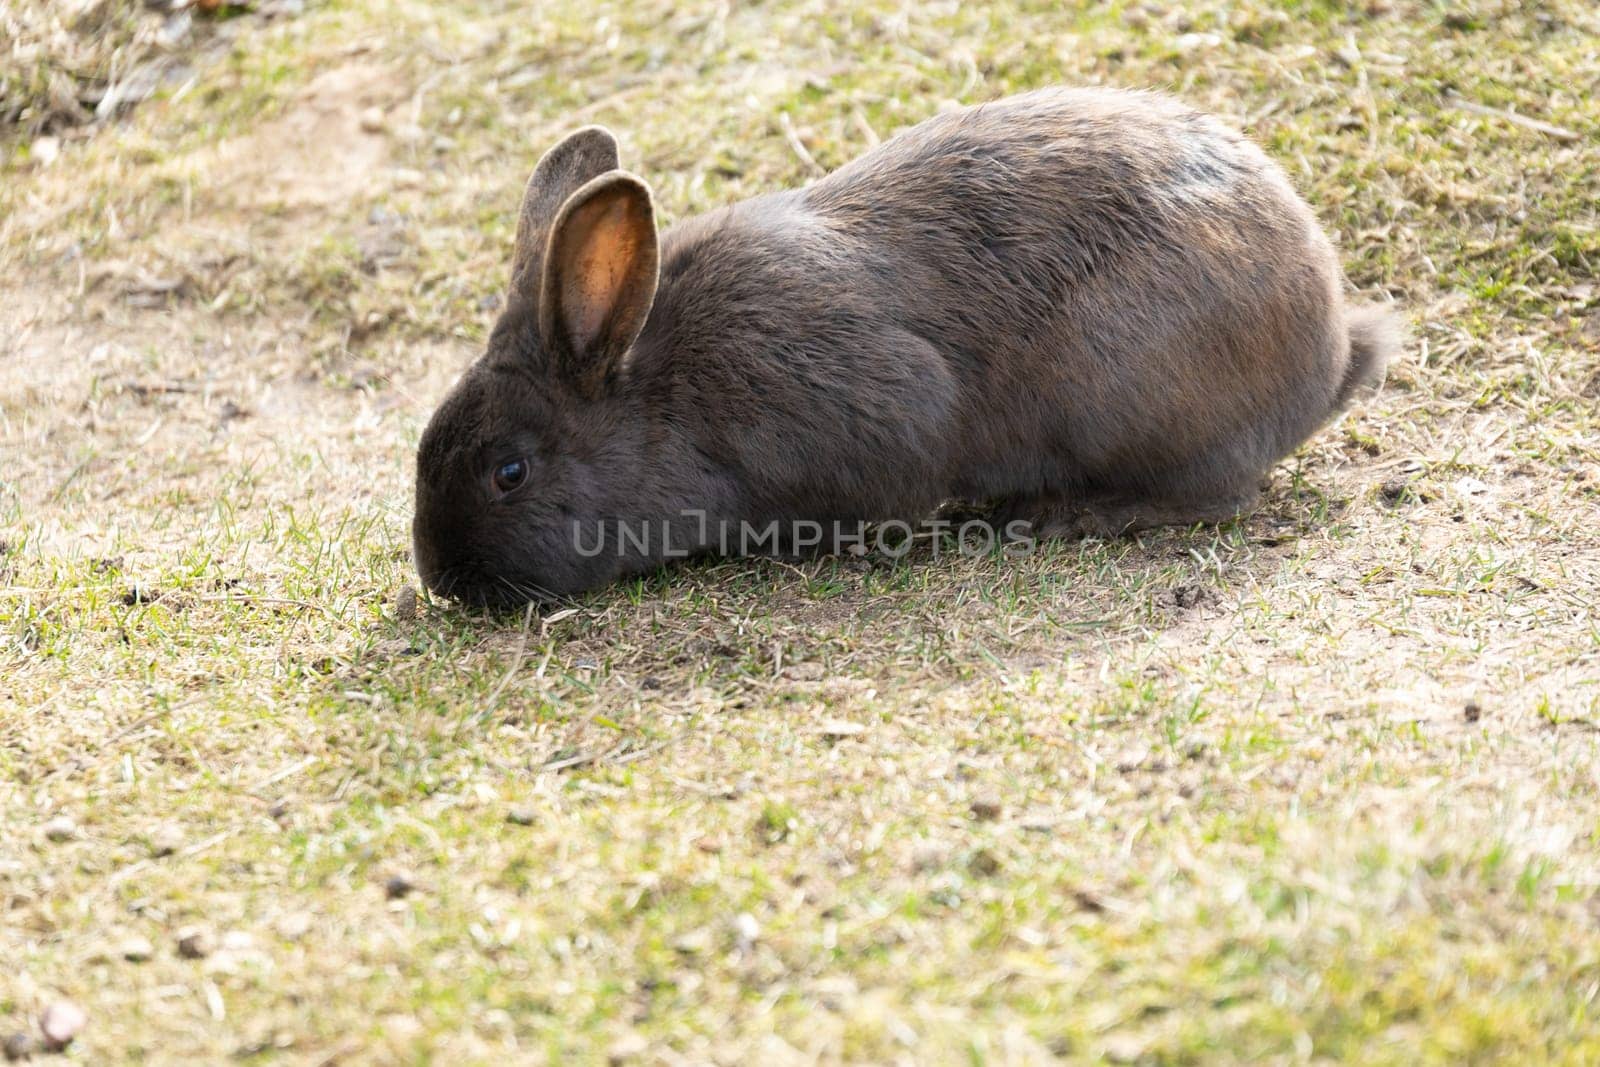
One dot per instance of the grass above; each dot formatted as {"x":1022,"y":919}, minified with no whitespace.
{"x":1317,"y":785}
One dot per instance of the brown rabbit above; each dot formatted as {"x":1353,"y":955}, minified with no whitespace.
{"x":1101,"y":309}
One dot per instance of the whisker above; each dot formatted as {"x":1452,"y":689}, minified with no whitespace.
{"x":550,"y":596}
{"x":473,"y":584}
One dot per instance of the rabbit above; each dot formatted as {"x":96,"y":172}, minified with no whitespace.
{"x":1097,"y":310}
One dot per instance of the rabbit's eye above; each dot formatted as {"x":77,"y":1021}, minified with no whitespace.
{"x":508,"y":476}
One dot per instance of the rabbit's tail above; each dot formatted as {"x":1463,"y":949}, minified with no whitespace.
{"x":1375,"y":336}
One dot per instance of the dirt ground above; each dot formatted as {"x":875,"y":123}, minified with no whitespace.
{"x":1317,"y":785}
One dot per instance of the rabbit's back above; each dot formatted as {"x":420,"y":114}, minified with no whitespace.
{"x":1060,"y":290}
{"x":1116,"y":275}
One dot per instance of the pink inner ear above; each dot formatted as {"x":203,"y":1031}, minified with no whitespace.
{"x":602,"y":271}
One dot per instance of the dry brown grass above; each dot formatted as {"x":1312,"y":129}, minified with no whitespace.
{"x":1320,"y":785}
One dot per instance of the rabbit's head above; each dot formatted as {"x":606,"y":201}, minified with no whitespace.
{"x":530,"y":440}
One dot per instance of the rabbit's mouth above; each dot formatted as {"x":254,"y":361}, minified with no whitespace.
{"x":464,"y":577}
{"x":474,"y":586}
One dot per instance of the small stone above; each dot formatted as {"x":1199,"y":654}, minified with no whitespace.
{"x":929,"y":856}
{"x":136,"y":949}
{"x":195,"y":943}
{"x":372,"y":120}
{"x":837,"y":729}
{"x":1039,"y":822}
{"x":522,"y":816}
{"x":278,"y":809}
{"x":987,"y":808}
{"x":1192,"y":595}
{"x":18,"y":1046}
{"x":1394,"y":491}
{"x":164,"y":840}
{"x":693,"y":943}
{"x":238,"y":941}
{"x":294,"y":925}
{"x":1089,"y":901}
{"x":380,"y":248}
{"x":401,"y":1029}
{"x":1132,"y":758}
{"x":1124,"y":1048}
{"x":746,"y":929}
{"x":1195,"y":42}
{"x":398,"y":887}
{"x":61,"y":828}
{"x":625,"y":1048}
{"x":1473,"y":711}
{"x":45,"y":150}
{"x":405,"y":604}
{"x":983,"y":863}
{"x":60,"y":1022}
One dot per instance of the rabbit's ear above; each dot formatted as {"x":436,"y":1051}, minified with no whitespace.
{"x":581,"y":156}
{"x":599,"y":278}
